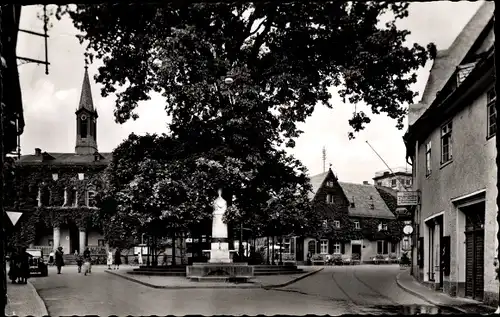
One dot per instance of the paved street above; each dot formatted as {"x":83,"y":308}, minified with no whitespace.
{"x":334,"y":291}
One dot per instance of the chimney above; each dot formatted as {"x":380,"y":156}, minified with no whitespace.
{"x":38,"y":151}
{"x":366,"y":183}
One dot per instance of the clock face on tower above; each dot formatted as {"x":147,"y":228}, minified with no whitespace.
{"x":83,"y":117}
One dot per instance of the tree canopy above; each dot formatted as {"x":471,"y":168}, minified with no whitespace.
{"x":156,"y":183}
{"x":283,"y":57}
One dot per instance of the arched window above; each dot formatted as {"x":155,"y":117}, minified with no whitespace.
{"x":71,"y":197}
{"x":83,"y":126}
{"x":90,"y":196}
{"x":44,"y":196}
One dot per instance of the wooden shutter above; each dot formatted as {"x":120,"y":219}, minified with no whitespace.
{"x":469,"y":264}
{"x":342,"y":247}
{"x":318,"y":246}
{"x":445,"y":255}
{"x":292,"y":245}
{"x":479,"y":265}
{"x":421,"y":252}
{"x":385,"y":247}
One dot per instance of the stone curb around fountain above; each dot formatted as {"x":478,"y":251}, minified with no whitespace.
{"x":225,"y":286}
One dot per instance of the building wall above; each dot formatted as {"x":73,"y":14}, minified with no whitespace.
{"x":472,"y":169}
{"x":405,"y":180}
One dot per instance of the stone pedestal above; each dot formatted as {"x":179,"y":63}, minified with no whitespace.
{"x":83,"y":240}
{"x":219,"y":253}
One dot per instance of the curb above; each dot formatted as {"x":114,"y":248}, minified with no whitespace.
{"x":41,"y":303}
{"x":294,"y":280}
{"x":422,"y":297}
{"x":200,"y":286}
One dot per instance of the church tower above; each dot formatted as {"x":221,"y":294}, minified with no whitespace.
{"x":86,"y":120}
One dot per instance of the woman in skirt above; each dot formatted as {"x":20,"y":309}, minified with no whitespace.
{"x":118,"y":259}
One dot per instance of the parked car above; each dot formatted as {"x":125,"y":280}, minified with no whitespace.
{"x":37,"y":264}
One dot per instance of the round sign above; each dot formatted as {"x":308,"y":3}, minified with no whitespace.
{"x":67,"y":237}
{"x":408,"y":229}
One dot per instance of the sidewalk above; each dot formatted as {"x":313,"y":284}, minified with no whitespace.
{"x":23,"y":300}
{"x":181,"y":282}
{"x":412,"y":286}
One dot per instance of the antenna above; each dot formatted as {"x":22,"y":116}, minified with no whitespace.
{"x":324,"y":158}
{"x":392,"y":173}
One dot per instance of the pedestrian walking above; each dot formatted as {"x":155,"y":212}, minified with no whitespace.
{"x":24,"y":259}
{"x":79,"y":261}
{"x":87,"y":259}
{"x":13,"y":269}
{"x":118,"y":259}
{"x":51,"y":258}
{"x":110,"y":259}
{"x":139,"y":258}
{"x":59,"y":259}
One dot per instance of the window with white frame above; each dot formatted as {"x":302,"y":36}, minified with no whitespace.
{"x":357,"y":225}
{"x":384,"y":226}
{"x":379,"y":183}
{"x":408,"y":182}
{"x":492,"y":112}
{"x":325,"y":223}
{"x":336,"y":223}
{"x":336,"y":248}
{"x":286,"y":245}
{"x":382,"y":247}
{"x":428,"y":166}
{"x":324,"y":246}
{"x":446,"y":144}
{"x":329,"y":184}
{"x":329,"y":199}
{"x":393,"y":183}
{"x":81,"y":176}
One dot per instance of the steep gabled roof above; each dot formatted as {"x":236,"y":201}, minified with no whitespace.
{"x":316,"y":182}
{"x":363,"y":197}
{"x":446,"y":61}
{"x":64,"y":159}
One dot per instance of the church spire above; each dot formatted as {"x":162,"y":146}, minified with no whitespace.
{"x":86,"y":101}
{"x":86,"y":120}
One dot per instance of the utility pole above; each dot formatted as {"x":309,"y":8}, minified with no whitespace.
{"x":3,"y":65}
{"x":324,"y":159}
{"x":392,"y":173}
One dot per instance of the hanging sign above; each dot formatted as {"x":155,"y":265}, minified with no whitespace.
{"x":407,"y":198}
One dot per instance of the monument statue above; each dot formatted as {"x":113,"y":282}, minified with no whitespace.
{"x":219,"y":252}
{"x":219,"y":228}
{"x":219,"y":266}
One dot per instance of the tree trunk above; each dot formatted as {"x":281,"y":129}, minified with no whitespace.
{"x":183,"y":248}
{"x":173,"y":247}
{"x":281,"y":251}
{"x":272,"y":251}
{"x":268,"y":258}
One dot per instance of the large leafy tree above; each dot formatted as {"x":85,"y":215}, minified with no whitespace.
{"x":284,"y":57}
{"x":157,"y":184}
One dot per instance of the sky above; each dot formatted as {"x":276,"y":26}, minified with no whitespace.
{"x":50,"y":100}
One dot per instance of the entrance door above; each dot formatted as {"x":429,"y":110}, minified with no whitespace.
{"x":74,"y":238}
{"x":474,"y":255}
{"x":356,"y":252}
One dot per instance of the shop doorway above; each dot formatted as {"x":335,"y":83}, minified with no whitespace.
{"x":474,"y":250}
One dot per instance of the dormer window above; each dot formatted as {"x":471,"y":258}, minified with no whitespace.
{"x":352,"y":203}
{"x":372,"y":206}
{"x":463,"y":71}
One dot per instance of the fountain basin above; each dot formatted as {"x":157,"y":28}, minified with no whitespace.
{"x":220,"y":272}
